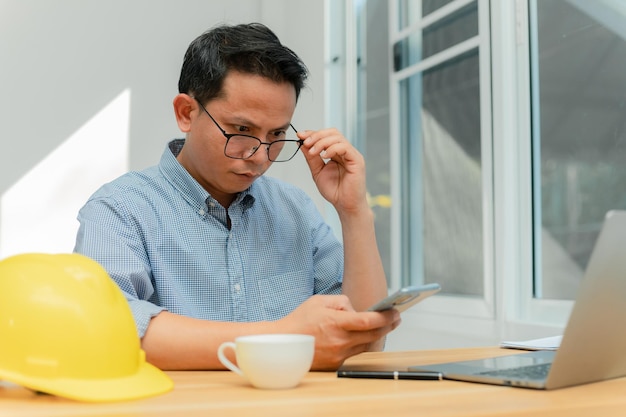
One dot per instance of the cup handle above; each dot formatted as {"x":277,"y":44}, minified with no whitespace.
{"x":222,"y":357}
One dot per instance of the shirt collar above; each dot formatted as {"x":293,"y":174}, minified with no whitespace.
{"x":189,"y":188}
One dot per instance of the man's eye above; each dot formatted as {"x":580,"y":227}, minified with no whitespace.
{"x":241,"y":129}
{"x":279,"y":134}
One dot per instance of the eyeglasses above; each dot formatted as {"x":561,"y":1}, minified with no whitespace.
{"x":244,"y":146}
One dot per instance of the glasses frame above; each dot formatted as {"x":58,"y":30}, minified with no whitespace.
{"x":228,"y":136}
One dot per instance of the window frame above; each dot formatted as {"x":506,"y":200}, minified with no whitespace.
{"x":476,"y":307}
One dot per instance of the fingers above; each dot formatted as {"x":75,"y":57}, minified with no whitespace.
{"x":371,"y":320}
{"x":340,"y":331}
{"x":361,"y":321}
{"x":327,"y":144}
{"x":371,"y":333}
{"x":337,"y":302}
{"x":365,"y":321}
{"x":338,"y":169}
{"x":353,"y":338}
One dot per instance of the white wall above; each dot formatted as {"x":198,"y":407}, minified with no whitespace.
{"x":86,"y":90}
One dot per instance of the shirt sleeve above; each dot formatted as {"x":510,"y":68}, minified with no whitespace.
{"x":111,"y":237}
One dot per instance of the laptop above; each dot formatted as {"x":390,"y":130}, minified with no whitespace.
{"x":593,"y":347}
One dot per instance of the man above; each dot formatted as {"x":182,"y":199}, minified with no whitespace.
{"x":206,"y":249}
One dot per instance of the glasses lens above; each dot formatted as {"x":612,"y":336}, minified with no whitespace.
{"x":283,"y":150}
{"x":241,"y":147}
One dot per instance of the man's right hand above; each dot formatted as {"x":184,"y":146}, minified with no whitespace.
{"x":340,"y":332}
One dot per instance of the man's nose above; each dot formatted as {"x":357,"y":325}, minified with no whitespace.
{"x":261,"y":154}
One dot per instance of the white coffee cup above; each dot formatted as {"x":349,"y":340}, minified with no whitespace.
{"x":271,"y":361}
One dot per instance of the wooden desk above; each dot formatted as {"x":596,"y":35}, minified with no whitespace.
{"x":323,"y":394}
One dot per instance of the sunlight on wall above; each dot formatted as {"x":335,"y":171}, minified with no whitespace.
{"x":38,"y":213}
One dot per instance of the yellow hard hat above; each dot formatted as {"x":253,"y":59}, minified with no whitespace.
{"x":66,"y":329}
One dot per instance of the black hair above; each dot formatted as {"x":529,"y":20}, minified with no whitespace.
{"x":249,"y":48}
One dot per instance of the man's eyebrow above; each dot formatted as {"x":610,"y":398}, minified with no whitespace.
{"x":242,"y":121}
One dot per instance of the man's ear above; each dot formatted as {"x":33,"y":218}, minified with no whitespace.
{"x":183,"y":106}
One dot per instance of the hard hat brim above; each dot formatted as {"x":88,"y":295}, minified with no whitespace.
{"x":148,"y":381}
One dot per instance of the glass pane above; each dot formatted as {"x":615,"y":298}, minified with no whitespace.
{"x":429,"y":6}
{"x":442,"y":145}
{"x":435,"y":38}
{"x":579,"y":130}
{"x":373,"y":116}
{"x":447,"y":32}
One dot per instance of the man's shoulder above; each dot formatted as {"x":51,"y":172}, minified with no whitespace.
{"x":131,"y":183}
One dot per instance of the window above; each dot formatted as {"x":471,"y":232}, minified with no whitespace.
{"x":578,"y":61}
{"x":439,"y":152}
{"x":506,"y":135}
{"x":423,"y":99}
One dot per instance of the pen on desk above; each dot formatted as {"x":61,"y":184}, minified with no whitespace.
{"x":431,"y":376}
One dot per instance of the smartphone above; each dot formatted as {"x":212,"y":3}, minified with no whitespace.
{"x":406,"y":297}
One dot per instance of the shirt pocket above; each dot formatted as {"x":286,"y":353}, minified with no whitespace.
{"x":281,"y":294}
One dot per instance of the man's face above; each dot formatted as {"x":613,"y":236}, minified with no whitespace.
{"x":250,"y":105}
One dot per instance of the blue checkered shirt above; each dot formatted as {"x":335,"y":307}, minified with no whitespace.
{"x":166,"y":243}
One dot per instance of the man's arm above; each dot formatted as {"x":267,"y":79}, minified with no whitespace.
{"x":338,"y":170}
{"x":364,"y":278}
{"x":174,"y":342}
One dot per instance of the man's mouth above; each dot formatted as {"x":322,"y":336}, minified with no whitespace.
{"x":250,"y":175}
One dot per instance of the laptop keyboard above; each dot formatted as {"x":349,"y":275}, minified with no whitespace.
{"x":539,"y":371}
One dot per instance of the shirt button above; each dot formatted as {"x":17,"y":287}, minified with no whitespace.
{"x":237,"y":287}
{"x":201,"y":212}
